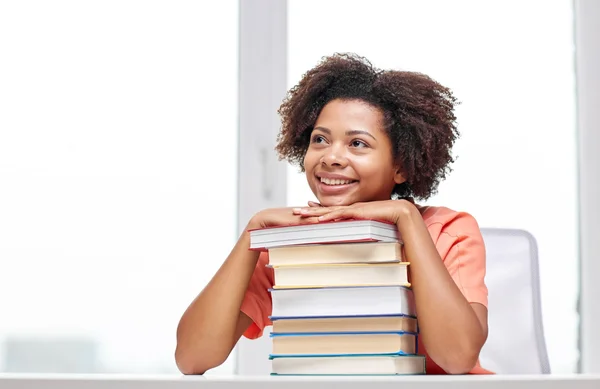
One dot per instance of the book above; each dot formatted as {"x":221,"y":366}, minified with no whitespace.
{"x":341,"y":343}
{"x":393,"y":323}
{"x":343,"y":301}
{"x":324,"y":233}
{"x":348,"y":365}
{"x":368,"y":252}
{"x":331,"y":275}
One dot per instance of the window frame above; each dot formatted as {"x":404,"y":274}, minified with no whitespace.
{"x":261,"y":176}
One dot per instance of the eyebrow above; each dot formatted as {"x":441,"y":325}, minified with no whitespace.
{"x":348,"y":133}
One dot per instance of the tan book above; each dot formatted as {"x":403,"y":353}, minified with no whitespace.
{"x":346,"y":324}
{"x":331,"y":344}
{"x":336,"y":253}
{"x":356,"y":274}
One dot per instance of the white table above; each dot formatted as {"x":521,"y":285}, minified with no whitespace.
{"x":31,"y":381}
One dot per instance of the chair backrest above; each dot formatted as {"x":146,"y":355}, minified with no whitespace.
{"x":516,"y":342}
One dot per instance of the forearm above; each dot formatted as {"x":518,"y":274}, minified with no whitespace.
{"x":449,"y":328}
{"x":207,"y":330}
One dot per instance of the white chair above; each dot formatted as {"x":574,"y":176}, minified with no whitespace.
{"x":516,"y":343}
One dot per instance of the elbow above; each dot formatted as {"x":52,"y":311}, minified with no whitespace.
{"x":195,"y":355}
{"x":458,"y":360}
{"x":461,"y":365}
{"x":187,"y":364}
{"x":191,"y":363}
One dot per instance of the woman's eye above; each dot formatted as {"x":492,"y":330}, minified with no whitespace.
{"x":358,"y":143}
{"x":318,"y":139}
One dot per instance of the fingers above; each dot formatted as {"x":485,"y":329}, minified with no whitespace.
{"x":338,"y":214}
{"x":314,"y":211}
{"x":313,"y":204}
{"x":308,"y":220}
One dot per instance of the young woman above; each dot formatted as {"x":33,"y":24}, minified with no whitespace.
{"x":371,"y":143}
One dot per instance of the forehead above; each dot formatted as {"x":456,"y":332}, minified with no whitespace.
{"x":350,"y":114}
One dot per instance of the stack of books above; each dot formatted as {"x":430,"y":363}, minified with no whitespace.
{"x":342,"y":302}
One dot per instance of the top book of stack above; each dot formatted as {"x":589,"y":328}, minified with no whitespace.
{"x":344,"y":231}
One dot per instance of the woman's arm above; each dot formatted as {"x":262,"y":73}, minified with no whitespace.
{"x":453,"y":330}
{"x":213,"y":323}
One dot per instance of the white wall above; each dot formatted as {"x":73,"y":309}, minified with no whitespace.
{"x":118,"y":163}
{"x":587,"y":38}
{"x":513,"y":71}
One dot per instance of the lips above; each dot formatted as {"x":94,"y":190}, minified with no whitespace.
{"x":328,"y":186}
{"x":335,"y":181}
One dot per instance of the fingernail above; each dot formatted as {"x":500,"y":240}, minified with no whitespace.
{"x":296,"y":210}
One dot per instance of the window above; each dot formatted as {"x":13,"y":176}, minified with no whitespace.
{"x":517,"y":156}
{"x":118,"y":133}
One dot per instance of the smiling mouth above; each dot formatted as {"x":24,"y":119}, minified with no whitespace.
{"x":334,"y":182}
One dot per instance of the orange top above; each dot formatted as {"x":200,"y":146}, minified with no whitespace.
{"x":459,"y":242}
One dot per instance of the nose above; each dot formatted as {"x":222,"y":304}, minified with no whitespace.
{"x":334,"y":156}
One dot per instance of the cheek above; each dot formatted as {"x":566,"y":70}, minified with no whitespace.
{"x":372,"y":169}
{"x":377,"y":178}
{"x":309,"y":161}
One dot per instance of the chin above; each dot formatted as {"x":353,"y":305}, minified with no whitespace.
{"x":335,"y":201}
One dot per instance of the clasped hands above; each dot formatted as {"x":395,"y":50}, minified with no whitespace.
{"x":388,"y":210}
{"x":393,"y":211}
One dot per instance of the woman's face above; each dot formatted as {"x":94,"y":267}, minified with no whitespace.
{"x":349,"y":158}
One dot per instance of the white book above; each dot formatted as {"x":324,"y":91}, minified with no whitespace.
{"x":326,"y":275}
{"x":343,"y":301}
{"x":349,"y":365}
{"x":327,"y":232}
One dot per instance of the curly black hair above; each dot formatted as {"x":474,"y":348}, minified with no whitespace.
{"x":418,"y":115}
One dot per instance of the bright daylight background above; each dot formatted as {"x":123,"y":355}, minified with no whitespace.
{"x":118,"y":135}
{"x":118,"y":153}
{"x":516,"y":162}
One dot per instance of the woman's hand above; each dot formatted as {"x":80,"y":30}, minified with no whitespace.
{"x":273,"y":217}
{"x":389,"y":210}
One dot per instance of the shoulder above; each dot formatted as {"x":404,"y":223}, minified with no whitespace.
{"x":453,"y":232}
{"x":459,"y":242}
{"x":443,"y":220}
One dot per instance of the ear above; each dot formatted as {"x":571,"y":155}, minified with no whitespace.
{"x":399,"y":177}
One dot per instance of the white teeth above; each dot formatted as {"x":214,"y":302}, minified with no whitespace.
{"x":328,"y":181}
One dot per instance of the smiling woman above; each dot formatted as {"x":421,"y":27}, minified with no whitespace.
{"x":368,"y":135}
{"x":359,"y":154}
{"x":362,"y":136}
